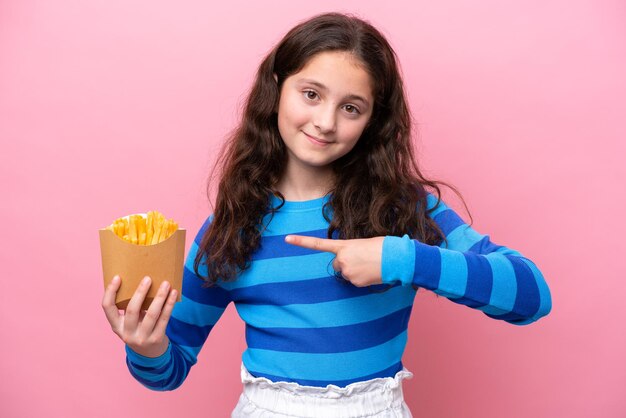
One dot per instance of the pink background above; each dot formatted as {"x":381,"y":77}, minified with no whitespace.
{"x":113,"y":107}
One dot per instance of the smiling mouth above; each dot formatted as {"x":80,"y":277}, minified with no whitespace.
{"x":321,"y":141}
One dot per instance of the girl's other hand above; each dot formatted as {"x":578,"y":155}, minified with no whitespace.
{"x":358,"y":260}
{"x":142,"y":331}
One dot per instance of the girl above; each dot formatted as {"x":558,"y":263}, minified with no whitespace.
{"x":322,"y":234}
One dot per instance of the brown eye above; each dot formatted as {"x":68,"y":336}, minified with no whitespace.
{"x":352,"y":109}
{"x":310,"y":94}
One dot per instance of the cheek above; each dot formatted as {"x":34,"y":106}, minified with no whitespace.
{"x":353,"y":132}
{"x":291,"y":110}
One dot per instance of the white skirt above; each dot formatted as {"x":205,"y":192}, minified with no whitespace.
{"x":375,"y":398}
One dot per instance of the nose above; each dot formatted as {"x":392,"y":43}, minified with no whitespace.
{"x":325,"y":119}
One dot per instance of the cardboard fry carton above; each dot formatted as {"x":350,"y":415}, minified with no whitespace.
{"x":162,"y":261}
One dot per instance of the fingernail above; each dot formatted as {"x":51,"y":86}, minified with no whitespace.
{"x":288,"y":238}
{"x":145,"y":280}
{"x":116,"y":279}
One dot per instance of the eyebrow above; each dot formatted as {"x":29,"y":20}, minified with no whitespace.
{"x":323,"y":87}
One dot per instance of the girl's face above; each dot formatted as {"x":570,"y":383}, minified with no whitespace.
{"x":323,"y":109}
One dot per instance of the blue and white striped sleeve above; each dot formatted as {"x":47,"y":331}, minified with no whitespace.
{"x":189,"y":326}
{"x":471,"y":270}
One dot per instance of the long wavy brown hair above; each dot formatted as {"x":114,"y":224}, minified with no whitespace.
{"x":378,"y":188}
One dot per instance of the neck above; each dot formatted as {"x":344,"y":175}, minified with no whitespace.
{"x":305,"y":184}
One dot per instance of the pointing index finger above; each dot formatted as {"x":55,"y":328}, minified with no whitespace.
{"x":319,"y":244}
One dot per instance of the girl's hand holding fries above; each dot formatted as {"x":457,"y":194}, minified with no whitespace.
{"x":142,"y":331}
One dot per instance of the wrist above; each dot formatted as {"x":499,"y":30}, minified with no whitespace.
{"x":151,"y":355}
{"x":398,"y":259}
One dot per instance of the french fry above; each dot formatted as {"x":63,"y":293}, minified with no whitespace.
{"x":141,"y":230}
{"x":157,"y":231}
{"x":164,"y":229}
{"x":173,"y":227}
{"x":133,"y":229}
{"x":149,"y":229}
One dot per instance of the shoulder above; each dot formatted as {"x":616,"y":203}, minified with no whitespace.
{"x":205,"y":225}
{"x":446,"y":218}
{"x":435,"y":204}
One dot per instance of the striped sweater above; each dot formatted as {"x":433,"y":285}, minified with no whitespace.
{"x":307,"y":326}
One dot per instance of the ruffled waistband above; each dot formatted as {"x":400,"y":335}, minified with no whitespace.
{"x":329,"y":391}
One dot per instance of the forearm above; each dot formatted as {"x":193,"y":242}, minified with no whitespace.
{"x":502,"y":284}
{"x":165,"y":372}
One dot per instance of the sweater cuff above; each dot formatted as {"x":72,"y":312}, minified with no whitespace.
{"x":398,"y":259}
{"x":152,"y":362}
